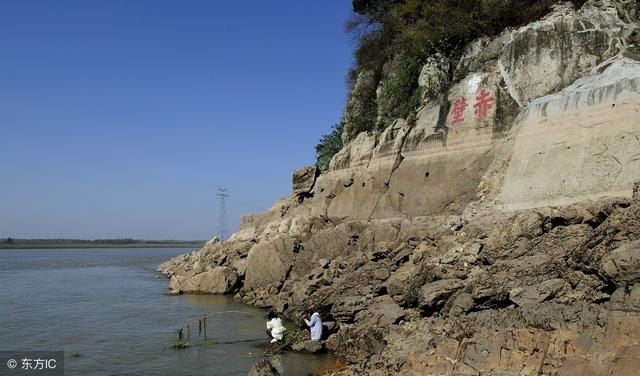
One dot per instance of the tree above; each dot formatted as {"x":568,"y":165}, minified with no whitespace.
{"x":9,"y":241}
{"x":329,"y":145}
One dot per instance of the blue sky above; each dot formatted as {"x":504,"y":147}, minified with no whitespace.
{"x":119,"y":118}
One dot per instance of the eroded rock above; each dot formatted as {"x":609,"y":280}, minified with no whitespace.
{"x":623,"y":264}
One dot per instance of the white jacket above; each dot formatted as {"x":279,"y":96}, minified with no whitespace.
{"x":277,"y":329}
{"x":316,"y":326}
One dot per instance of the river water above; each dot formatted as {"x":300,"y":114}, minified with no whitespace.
{"x":110,"y":307}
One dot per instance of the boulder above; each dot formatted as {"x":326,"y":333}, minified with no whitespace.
{"x":357,"y":342}
{"x":626,"y":299}
{"x":495,"y":283}
{"x":311,"y":347}
{"x":622,"y":265}
{"x":381,"y":274}
{"x":219,"y":280}
{"x":396,"y":283}
{"x":383,"y":312}
{"x":303,"y":179}
{"x":540,"y":292}
{"x":461,"y":304}
{"x":436,"y":293}
{"x":269,"y":262}
{"x":263,"y":368}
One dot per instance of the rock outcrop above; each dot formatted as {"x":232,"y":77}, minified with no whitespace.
{"x":497,"y":234}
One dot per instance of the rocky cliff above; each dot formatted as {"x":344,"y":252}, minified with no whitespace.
{"x":497,"y":232}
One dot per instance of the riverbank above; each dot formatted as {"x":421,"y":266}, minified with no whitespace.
{"x":541,"y":288}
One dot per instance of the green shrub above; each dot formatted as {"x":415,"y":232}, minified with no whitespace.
{"x":328,"y":146}
{"x":418,"y":27}
{"x":400,"y":94}
{"x":361,"y":110}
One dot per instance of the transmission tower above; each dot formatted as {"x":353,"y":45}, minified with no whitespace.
{"x":222,"y":195}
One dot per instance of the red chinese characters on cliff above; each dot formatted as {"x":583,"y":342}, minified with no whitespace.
{"x":483,"y":104}
{"x":458,"y":109}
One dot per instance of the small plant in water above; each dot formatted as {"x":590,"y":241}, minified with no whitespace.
{"x":180,"y":345}
{"x":204,"y":326}
{"x":74,"y":355}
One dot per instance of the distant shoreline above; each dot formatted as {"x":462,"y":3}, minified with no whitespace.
{"x":98,"y":245}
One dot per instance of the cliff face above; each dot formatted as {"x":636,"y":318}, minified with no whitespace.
{"x":496,"y":233}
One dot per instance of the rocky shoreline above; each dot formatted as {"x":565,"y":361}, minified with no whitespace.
{"x":537,"y":291}
{"x":501,"y":241}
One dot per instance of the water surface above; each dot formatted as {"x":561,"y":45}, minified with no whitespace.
{"x":110,"y":306}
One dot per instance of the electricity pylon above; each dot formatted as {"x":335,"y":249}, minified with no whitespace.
{"x":222,"y":194}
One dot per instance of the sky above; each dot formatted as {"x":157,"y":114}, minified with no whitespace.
{"x":119,"y":119}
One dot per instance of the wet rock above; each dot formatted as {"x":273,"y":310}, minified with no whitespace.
{"x":311,"y":347}
{"x":263,"y":368}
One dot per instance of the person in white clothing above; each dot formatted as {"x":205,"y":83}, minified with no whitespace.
{"x":315,"y":326}
{"x":275,"y":329}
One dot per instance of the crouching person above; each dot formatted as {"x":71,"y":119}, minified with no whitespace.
{"x":275,"y":329}
{"x":315,"y":326}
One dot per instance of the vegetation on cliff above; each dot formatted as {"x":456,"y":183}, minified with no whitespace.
{"x":395,"y":38}
{"x":330,"y":144}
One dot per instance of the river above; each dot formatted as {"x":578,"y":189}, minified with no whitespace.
{"x":110,"y":307}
